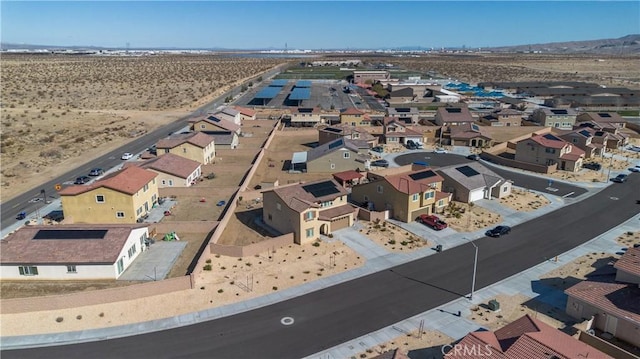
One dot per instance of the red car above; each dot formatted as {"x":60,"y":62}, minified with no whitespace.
{"x":432,"y":221}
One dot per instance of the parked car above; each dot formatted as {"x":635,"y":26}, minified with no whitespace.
{"x":432,"y":221}
{"x":127,"y":156}
{"x":620,"y":178}
{"x":153,"y":150}
{"x":21,"y":215}
{"x":96,"y":172}
{"x":498,"y":231}
{"x":635,"y":169}
{"x":592,"y":166}
{"x":416,"y":144}
{"x":82,"y":180}
{"x":634,"y":148}
{"x":378,"y":149}
{"x":221,"y":203}
{"x":440,"y":150}
{"x":411,"y":145}
{"x":473,"y":157}
{"x":380,"y":163}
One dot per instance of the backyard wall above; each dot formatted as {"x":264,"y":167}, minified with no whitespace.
{"x":253,"y":249}
{"x":183,"y":227}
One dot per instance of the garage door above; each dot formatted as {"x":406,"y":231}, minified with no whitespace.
{"x":476,"y":195}
{"x":339,"y":223}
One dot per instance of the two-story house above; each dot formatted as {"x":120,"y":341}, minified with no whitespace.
{"x":547,"y":150}
{"x":246,"y":114}
{"x":215,"y":124}
{"x":408,"y":194}
{"x":583,"y":138}
{"x":471,"y":135}
{"x":346,"y":131}
{"x":196,"y":146}
{"x":172,"y":170}
{"x":308,"y":210}
{"x":355,"y":117}
{"x":453,"y":116}
{"x":406,"y":115}
{"x":606,"y":133}
{"x":397,"y":132}
{"x":124,"y":196}
{"x":229,"y":114}
{"x":305,"y":117}
{"x":612,"y":118}
{"x":562,"y":118}
{"x":502,"y":117}
{"x":335,"y":156}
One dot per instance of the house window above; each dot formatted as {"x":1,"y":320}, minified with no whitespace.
{"x":333,"y":166}
{"x":132,"y":251}
{"x":153,"y":198}
{"x":278,"y":206}
{"x":550,"y":150}
{"x":145,"y":188}
{"x":366,"y":198}
{"x":166,"y":150}
{"x":164,"y":182}
{"x":380,"y":189}
{"x":355,"y":136}
{"x":309,"y":232}
{"x":184,"y":150}
{"x":202,"y":126}
{"x":270,"y":217}
{"x":504,"y":189}
{"x":309,"y":216}
{"x":119,"y":214}
{"x":71,"y":269}
{"x":346,"y":155}
{"x":170,"y":183}
{"x":99,"y":198}
{"x":441,"y":203}
{"x":28,"y":270}
{"x":139,"y":211}
{"x":353,"y":123}
{"x":575,"y":140}
{"x":416,"y":197}
{"x":428,"y":195}
{"x":120,"y":266}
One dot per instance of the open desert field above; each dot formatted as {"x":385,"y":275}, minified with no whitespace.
{"x":612,"y":71}
{"x":60,"y":111}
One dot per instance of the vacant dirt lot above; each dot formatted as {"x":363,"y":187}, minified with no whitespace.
{"x":524,"y":201}
{"x":58,"y":111}
{"x":393,"y":238}
{"x":467,"y":218}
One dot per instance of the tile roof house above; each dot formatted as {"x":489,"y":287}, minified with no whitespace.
{"x":612,"y":118}
{"x":355,"y":117}
{"x":173,"y":170}
{"x":308,"y":209}
{"x":196,"y":146}
{"x":229,"y":114}
{"x":121,"y":197}
{"x":395,"y":131}
{"x":343,"y":130}
{"x":305,"y":117}
{"x":406,"y":115}
{"x":583,"y":139}
{"x":606,"y":133}
{"x":562,"y":118}
{"x":214,"y":124}
{"x":245,"y":113}
{"x":453,"y":116}
{"x":338,"y":155}
{"x":473,"y":181}
{"x":502,"y":117}
{"x":470,"y":135}
{"x":548,"y":150}
{"x":406,"y":192}
{"x":628,"y":266}
{"x":71,"y":252}
{"x":524,"y":338}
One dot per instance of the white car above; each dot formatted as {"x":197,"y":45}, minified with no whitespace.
{"x":635,"y":169}
{"x":440,"y":150}
{"x":634,"y":148}
{"x":127,"y":156}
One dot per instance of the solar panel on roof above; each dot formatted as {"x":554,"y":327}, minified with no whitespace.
{"x":268,"y":92}
{"x":336,"y":143}
{"x":403,"y":109}
{"x":331,"y":129}
{"x":467,"y":171}
{"x":585,"y":133}
{"x":604,"y":115}
{"x":559,"y":112}
{"x":453,"y":110}
{"x":300,"y":93}
{"x":549,"y":136}
{"x":422,"y":175}
{"x":321,"y":189}
{"x":475,"y":127}
{"x":71,"y":234}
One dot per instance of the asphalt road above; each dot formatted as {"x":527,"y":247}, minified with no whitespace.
{"x":331,"y":316}
{"x":519,"y":179}
{"x":24,"y":202}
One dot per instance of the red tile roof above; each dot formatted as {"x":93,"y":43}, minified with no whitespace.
{"x":548,"y":142}
{"x":462,"y":116}
{"x":630,"y":262}
{"x":348,"y":175}
{"x":620,"y":300}
{"x":525,"y":338}
{"x":128,"y":180}
{"x":245,"y":111}
{"x":405,"y":184}
{"x":170,"y":164}
{"x":352,"y":111}
{"x":21,"y":248}
{"x":198,"y":139}
{"x":574,"y":154}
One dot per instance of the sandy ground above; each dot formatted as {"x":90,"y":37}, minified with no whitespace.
{"x":394,"y":238}
{"x":410,"y":341}
{"x":468,"y":218}
{"x":524,"y":201}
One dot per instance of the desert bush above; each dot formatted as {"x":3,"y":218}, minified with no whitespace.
{"x":207,"y":267}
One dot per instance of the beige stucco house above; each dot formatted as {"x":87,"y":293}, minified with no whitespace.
{"x":502,"y":117}
{"x":354,"y":117}
{"x":215,"y":124}
{"x":397,"y":132}
{"x":308,"y":210}
{"x":342,"y":130}
{"x":196,"y":146}
{"x":584,"y":139}
{"x":453,"y":116}
{"x":306,"y":117}
{"x":547,"y":150}
{"x":473,"y":181}
{"x":335,"y":156}
{"x":246,"y":114}
{"x":172,"y":170}
{"x":406,"y":115}
{"x":562,"y":118}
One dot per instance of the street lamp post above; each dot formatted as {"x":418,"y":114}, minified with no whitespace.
{"x":475,"y":266}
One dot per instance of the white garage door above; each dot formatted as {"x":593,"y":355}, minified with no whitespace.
{"x":476,"y":195}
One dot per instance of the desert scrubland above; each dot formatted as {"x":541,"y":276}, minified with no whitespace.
{"x":59,"y":111}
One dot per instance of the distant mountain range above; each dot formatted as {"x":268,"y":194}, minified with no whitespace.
{"x":627,"y":45}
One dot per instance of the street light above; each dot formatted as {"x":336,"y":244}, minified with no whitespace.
{"x":475,"y":266}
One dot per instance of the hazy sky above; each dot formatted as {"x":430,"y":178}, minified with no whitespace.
{"x":314,"y":24}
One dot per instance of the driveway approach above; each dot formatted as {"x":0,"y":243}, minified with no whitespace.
{"x":537,"y":183}
{"x":328,"y":317}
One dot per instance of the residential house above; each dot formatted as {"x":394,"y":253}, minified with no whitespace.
{"x":526,"y":337}
{"x":583,"y":138}
{"x":343,"y":130}
{"x":305,"y":117}
{"x":453,"y":116}
{"x":71,"y":252}
{"x":547,"y":150}
{"x":308,"y":210}
{"x":473,"y":181}
{"x":370,"y":76}
{"x":502,"y":117}
{"x":408,"y":194}
{"x":121,"y":197}
{"x":338,"y":155}
{"x":349,"y":178}
{"x":406,"y":115}
{"x":215,"y":124}
{"x":230,"y":114}
{"x":561,"y":118}
{"x":197,"y":146}
{"x":512,"y":102}
{"x":628,"y":266}
{"x":226,"y":141}
{"x":470,"y":135}
{"x":355,"y":117}
{"x":246,"y":114}
{"x":612,"y":118}
{"x":607,"y":134}
{"x":397,"y":132}
{"x":172,"y":170}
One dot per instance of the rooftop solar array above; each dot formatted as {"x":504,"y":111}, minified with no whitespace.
{"x":475,"y":127}
{"x":278,"y":83}
{"x":585,"y":133}
{"x":268,"y":92}
{"x":336,"y":143}
{"x":604,"y":115}
{"x":453,"y":110}
{"x":321,"y":189}
{"x":559,"y":112}
{"x":71,"y":234}
{"x":422,"y":175}
{"x":467,"y":171}
{"x":403,"y":109}
{"x":303,"y":83}
{"x":300,"y":93}
{"x":332,"y":129}
{"x":549,"y":136}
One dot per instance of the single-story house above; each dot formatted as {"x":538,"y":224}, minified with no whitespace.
{"x":473,"y":181}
